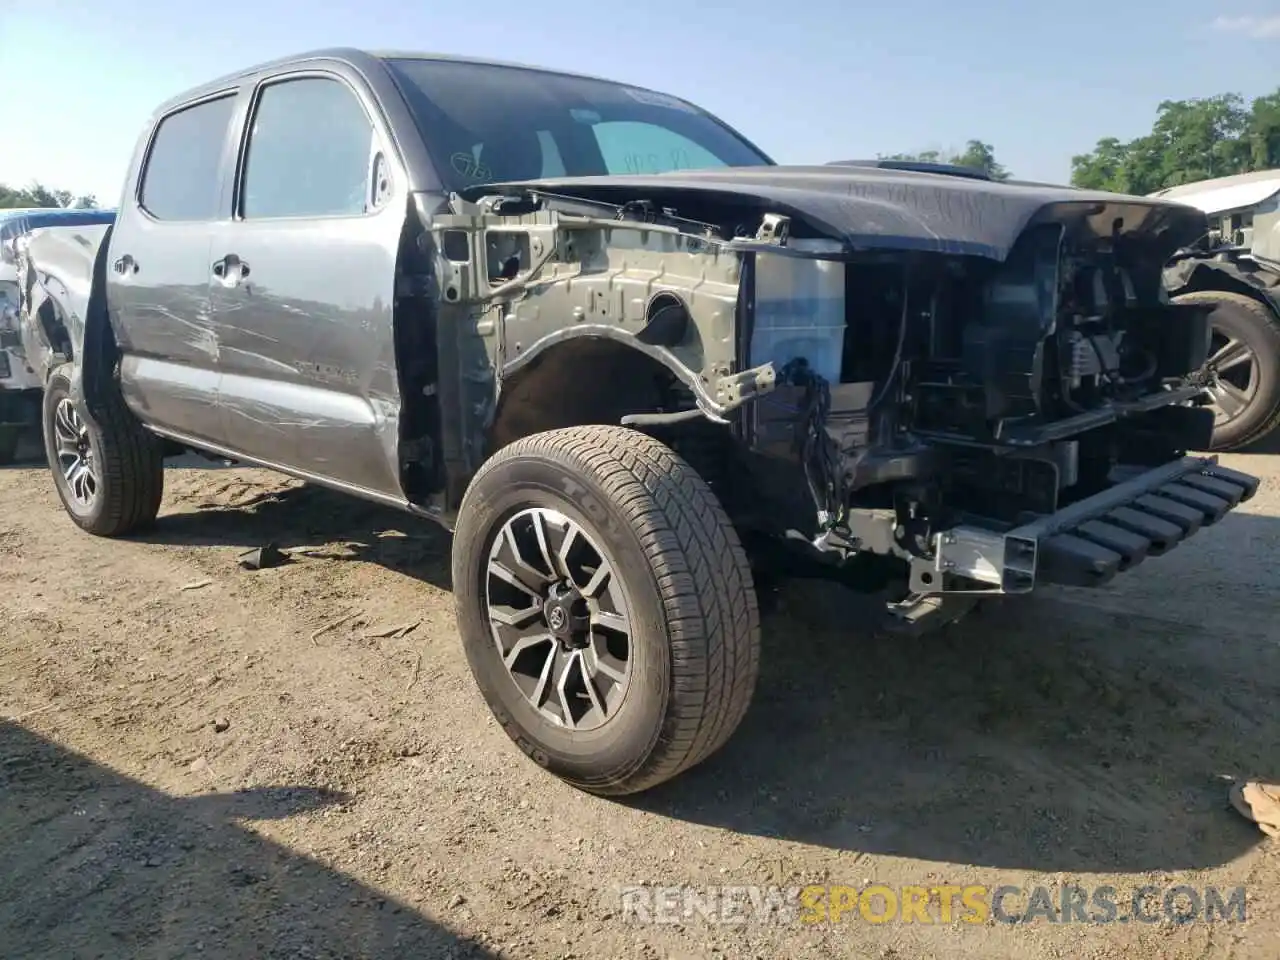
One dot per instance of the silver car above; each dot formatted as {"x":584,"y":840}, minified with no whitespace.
{"x":20,"y":385}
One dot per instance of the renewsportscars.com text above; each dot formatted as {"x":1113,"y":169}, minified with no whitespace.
{"x":939,"y":903}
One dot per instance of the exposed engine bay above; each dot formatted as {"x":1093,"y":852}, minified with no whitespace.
{"x":985,"y":418}
{"x":977,"y":398}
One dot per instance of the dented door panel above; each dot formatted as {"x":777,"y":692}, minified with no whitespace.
{"x":158,"y":291}
{"x":307,"y":349}
{"x":157,"y":277}
{"x":303,"y":279}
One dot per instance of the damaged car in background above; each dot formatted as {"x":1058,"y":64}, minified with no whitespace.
{"x":19,"y":384}
{"x":633,"y":364}
{"x":1233,"y":270}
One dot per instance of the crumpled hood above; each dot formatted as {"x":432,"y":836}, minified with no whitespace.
{"x":894,"y":209}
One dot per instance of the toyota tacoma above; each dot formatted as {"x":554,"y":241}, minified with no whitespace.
{"x":633,"y":365}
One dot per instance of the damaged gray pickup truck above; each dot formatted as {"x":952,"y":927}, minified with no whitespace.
{"x":635,"y":366}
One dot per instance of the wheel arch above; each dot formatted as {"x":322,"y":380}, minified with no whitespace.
{"x":1226,"y":276}
{"x":99,"y":352}
{"x":590,"y":375}
{"x":66,"y":320}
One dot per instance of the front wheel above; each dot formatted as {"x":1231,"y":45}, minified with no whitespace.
{"x":109,"y":477}
{"x":1244,"y":360}
{"x":606,"y":607}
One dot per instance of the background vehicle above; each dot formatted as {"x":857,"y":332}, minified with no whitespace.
{"x":623,"y":354}
{"x":20,"y":385}
{"x":14,"y":414}
{"x":1234,"y":270}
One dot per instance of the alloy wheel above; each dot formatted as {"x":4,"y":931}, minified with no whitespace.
{"x":75,"y":453}
{"x":1234,"y":376}
{"x":560,"y":618}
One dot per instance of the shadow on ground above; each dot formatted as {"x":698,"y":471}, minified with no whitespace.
{"x":1084,"y":733}
{"x":99,"y":865}
{"x":29,"y":452}
{"x":1267,"y":445}
{"x":320,"y":522}
{"x":1050,"y":734}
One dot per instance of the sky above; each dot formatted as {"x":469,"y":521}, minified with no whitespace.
{"x":808,"y":80}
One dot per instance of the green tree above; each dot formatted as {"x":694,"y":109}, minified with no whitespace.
{"x":1264,"y":132}
{"x":37,"y":194}
{"x":1190,"y":140}
{"x":1106,"y":168}
{"x":975,"y":154}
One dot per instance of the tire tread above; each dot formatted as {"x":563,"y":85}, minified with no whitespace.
{"x":131,"y":470}
{"x":703,"y":577}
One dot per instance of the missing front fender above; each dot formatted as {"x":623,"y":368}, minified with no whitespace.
{"x":736,"y":389}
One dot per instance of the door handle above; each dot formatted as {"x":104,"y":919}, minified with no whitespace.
{"x":125,"y":264}
{"x":230,"y":269}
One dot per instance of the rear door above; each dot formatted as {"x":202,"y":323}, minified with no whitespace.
{"x":304,"y":283}
{"x":158,"y":270}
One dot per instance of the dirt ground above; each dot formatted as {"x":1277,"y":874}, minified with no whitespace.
{"x":191,"y":764}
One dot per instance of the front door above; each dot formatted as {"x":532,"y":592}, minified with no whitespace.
{"x":304,"y":283}
{"x":158,"y":273}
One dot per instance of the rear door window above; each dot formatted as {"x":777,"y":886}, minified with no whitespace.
{"x":181,"y":178}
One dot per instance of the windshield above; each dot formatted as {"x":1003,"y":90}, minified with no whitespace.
{"x":485,"y":123}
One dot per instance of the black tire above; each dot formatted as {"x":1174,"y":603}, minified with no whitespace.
{"x":1236,"y":316}
{"x":9,"y":437}
{"x":695,"y":648}
{"x":128,"y":463}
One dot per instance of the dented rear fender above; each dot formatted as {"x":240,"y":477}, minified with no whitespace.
{"x":57,"y":277}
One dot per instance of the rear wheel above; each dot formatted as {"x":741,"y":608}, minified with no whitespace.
{"x":606,"y":607}
{"x":109,"y":477}
{"x":1244,"y":358}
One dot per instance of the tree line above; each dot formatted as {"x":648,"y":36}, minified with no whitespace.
{"x":1190,"y":140}
{"x":38,"y":195}
{"x":976,"y":154}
